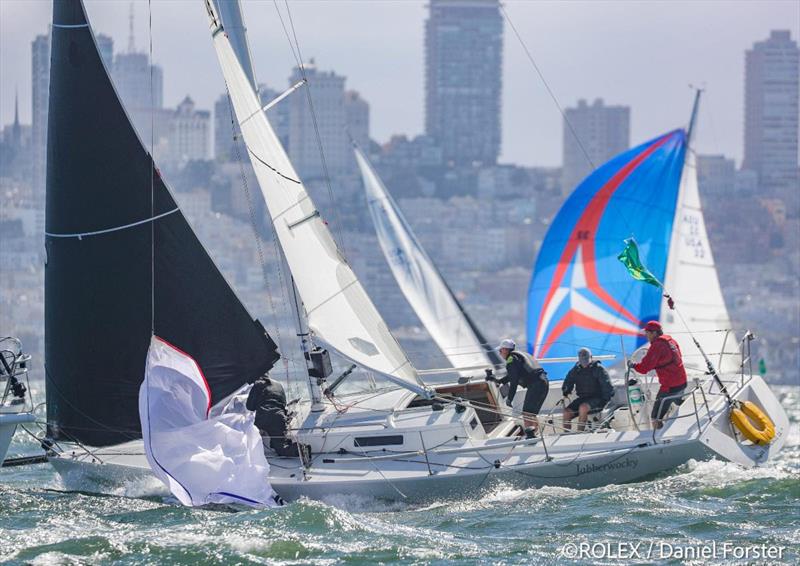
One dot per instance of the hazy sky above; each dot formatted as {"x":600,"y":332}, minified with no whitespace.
{"x":643,"y":54}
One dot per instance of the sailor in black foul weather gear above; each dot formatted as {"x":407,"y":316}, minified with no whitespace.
{"x":523,"y":371}
{"x":593,"y":386}
{"x":268,"y":399}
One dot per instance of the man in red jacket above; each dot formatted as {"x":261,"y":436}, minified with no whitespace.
{"x":664,"y":356}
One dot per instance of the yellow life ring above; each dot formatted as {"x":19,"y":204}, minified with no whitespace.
{"x":754,"y":425}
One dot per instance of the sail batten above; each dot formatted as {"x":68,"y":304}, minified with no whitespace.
{"x":338,"y":311}
{"x":423,"y":286}
{"x":108,"y":289}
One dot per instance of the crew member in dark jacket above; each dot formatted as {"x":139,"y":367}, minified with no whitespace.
{"x":523,"y":371}
{"x":268,"y":400}
{"x":593,"y":386}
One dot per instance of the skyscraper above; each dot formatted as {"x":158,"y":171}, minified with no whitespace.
{"x":105,"y":45}
{"x":188,"y":134}
{"x":772,"y":71}
{"x":463,"y":78}
{"x":327,"y":92}
{"x":40,"y":91}
{"x":225,"y":145}
{"x":603,"y":131}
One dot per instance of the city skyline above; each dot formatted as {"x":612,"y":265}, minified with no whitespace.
{"x":573,"y":65}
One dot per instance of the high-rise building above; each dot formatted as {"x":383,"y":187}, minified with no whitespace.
{"x":188,"y":136}
{"x":357,"y":116}
{"x":105,"y":45}
{"x":772,"y":71}
{"x":132,"y":77}
{"x":603,"y":131}
{"x":463,"y":79}
{"x":327,"y":93}
{"x":224,"y":143}
{"x":716,"y":175}
{"x":40,"y":92}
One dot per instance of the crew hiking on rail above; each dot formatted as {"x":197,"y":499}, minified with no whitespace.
{"x":593,"y":386}
{"x":523,"y":371}
{"x":665,"y":357}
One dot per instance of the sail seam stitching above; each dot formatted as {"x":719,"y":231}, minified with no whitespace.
{"x":80,"y":235}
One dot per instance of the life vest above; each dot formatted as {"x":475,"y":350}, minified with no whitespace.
{"x":530,"y":373}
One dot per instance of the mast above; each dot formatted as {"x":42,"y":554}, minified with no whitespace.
{"x":693,"y":119}
{"x":230,"y":12}
{"x":338,"y":311}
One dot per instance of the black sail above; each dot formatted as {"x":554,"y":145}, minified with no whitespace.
{"x":137,"y":256}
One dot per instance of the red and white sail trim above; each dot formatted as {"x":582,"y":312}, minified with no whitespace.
{"x":201,"y":459}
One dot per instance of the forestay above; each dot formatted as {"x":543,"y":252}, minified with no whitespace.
{"x":338,"y":310}
{"x":201,"y":459}
{"x":423,"y":286}
{"x":691,"y":278}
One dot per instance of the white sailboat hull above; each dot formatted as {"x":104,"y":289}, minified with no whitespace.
{"x":9,"y":419}
{"x":470,"y":465}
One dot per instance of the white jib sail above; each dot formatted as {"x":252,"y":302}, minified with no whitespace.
{"x":338,"y":310}
{"x":691,"y":279}
{"x":200,"y":459}
{"x":418,"y":278}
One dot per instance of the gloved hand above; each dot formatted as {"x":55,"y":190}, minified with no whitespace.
{"x":630,"y":364}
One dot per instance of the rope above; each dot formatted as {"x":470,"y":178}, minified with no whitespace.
{"x":152,"y":173}
{"x":270,"y":167}
{"x":81,"y":235}
{"x":547,"y":86}
{"x":252,"y":215}
{"x":299,"y":59}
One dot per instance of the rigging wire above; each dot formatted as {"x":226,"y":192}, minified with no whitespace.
{"x":547,"y":87}
{"x":256,"y":236}
{"x":301,"y":67}
{"x":152,"y":173}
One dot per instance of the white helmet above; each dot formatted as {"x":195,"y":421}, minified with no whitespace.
{"x":508,"y":344}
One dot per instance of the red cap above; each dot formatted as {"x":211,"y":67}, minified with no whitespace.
{"x":653,"y":325}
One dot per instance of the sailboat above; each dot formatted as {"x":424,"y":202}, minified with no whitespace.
{"x":410,"y":442}
{"x":14,"y":409}
{"x":440,"y":311}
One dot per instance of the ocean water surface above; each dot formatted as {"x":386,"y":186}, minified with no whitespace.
{"x":712,"y":507}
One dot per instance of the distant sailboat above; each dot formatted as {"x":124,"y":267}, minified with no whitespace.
{"x":442,"y":314}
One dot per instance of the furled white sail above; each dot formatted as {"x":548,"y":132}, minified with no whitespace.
{"x":338,"y":311}
{"x":420,"y":281}
{"x":201,"y":459}
{"x":691,"y":278}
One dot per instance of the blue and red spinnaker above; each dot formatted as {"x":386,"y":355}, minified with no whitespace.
{"x":580,"y":294}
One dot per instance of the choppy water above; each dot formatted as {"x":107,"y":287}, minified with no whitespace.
{"x":692,"y":507}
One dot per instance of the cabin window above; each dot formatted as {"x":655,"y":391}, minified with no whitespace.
{"x":392,"y":440}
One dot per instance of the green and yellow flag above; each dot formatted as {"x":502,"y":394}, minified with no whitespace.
{"x":630,"y":259}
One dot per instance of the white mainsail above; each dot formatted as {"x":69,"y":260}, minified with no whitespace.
{"x":420,"y":281}
{"x":691,"y":278}
{"x":338,"y":310}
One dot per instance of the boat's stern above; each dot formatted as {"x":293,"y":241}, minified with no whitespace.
{"x":727,"y":441}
